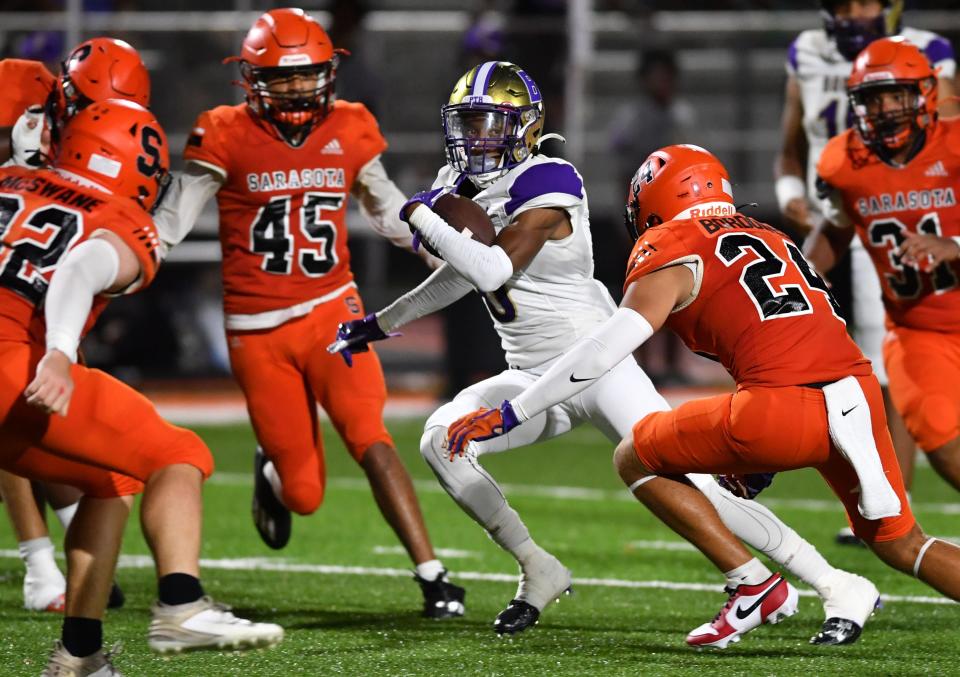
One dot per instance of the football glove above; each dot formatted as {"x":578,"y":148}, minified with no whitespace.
{"x":747,"y":485}
{"x":26,"y":138}
{"x":429,"y":198}
{"x":356,"y":336}
{"x":483,"y":424}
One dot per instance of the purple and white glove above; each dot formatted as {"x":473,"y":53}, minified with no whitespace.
{"x":429,"y":198}
{"x":356,"y":336}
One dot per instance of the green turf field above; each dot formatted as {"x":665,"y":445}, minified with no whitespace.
{"x":366,"y":623}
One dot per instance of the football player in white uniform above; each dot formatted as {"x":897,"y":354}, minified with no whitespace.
{"x":819,"y":62}
{"x":537,"y":282}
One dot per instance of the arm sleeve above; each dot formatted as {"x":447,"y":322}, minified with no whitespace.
{"x":380,"y":202}
{"x":177,"y":214}
{"x":438,"y":291}
{"x":367,"y":142}
{"x":88,"y":269}
{"x":590,"y":358}
{"x":486,"y":267}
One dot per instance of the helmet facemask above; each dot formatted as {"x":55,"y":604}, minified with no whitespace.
{"x":853,"y":35}
{"x":890,"y":116}
{"x":485,"y":138}
{"x":294,"y":99}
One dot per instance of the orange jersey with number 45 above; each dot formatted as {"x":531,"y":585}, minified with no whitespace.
{"x":885,"y":203}
{"x":282,"y":209}
{"x":757,"y":306}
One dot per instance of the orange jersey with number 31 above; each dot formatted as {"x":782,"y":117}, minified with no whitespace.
{"x":42,"y":216}
{"x":757,"y":306}
{"x":885,"y":203}
{"x":282,"y":209}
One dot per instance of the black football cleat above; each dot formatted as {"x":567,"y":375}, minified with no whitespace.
{"x":836,"y":631}
{"x":517,"y":617}
{"x":846,"y":537}
{"x":441,"y":598}
{"x":270,"y":516}
{"x":117,"y":599}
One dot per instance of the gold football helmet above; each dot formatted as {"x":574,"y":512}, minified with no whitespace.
{"x":493,"y":120}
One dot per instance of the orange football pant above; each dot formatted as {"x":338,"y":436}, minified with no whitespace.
{"x":284,"y":372}
{"x":770,"y":429}
{"x":924,"y":372}
{"x":110,"y":442}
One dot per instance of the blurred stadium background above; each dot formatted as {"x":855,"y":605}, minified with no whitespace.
{"x":621,"y":78}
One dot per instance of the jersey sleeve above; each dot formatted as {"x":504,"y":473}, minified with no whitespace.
{"x":939,"y":52}
{"x":137,"y":231}
{"x":25,"y":83}
{"x":366,"y":141}
{"x":791,"y":63}
{"x":548,"y":184}
{"x":830,"y":167}
{"x":658,"y":248}
{"x":206,"y":146}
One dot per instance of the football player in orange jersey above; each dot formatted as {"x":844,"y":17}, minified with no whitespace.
{"x":34,"y":105}
{"x":282,"y":166}
{"x":741,"y":291}
{"x":892,"y":180}
{"x":71,"y":236}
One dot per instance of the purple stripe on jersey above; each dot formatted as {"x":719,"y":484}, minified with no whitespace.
{"x":792,"y":56}
{"x":550,"y":177}
{"x":938,"y":49}
{"x":532,"y":88}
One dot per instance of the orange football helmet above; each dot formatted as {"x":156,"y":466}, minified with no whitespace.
{"x":892,"y":71}
{"x":289,"y":66}
{"x":96,"y":70}
{"x":119,"y":145}
{"x":672,"y":180}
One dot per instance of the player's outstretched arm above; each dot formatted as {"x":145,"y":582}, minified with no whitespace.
{"x":104,"y":263}
{"x":827,"y":245}
{"x":789,"y":166}
{"x":645,"y":307}
{"x":178,"y":211}
{"x":443,"y":287}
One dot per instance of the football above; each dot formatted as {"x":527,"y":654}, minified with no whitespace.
{"x":463,"y":213}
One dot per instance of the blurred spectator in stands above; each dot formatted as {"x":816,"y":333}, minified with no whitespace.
{"x":651,"y":118}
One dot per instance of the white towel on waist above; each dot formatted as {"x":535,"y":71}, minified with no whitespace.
{"x":851,"y":430}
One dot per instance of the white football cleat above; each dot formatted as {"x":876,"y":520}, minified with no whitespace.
{"x":64,"y":664}
{"x":748,"y":607}
{"x":848,"y":601}
{"x":206,"y":624}
{"x":44,"y":593}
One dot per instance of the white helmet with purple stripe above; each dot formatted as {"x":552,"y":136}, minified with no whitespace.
{"x":493,"y":120}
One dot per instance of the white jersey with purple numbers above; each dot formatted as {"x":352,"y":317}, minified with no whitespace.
{"x":822,"y":72}
{"x":544,"y":308}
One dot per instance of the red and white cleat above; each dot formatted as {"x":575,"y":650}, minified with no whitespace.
{"x":748,"y":607}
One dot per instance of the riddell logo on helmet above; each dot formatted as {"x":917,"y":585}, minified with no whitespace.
{"x":295,"y":60}
{"x":712,"y":210}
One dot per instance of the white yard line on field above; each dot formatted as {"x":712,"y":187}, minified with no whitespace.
{"x":285,"y":566}
{"x":585,"y":494}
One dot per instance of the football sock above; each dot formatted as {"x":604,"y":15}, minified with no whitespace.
{"x":82,"y":636}
{"x":430,"y":569}
{"x":273,"y":477}
{"x":751,"y":573}
{"x":507,"y":530}
{"x":806,"y":562}
{"x":179,"y":589}
{"x":37,"y":555}
{"x":66,"y":513}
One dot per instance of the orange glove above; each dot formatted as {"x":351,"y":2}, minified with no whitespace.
{"x":482,"y":424}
